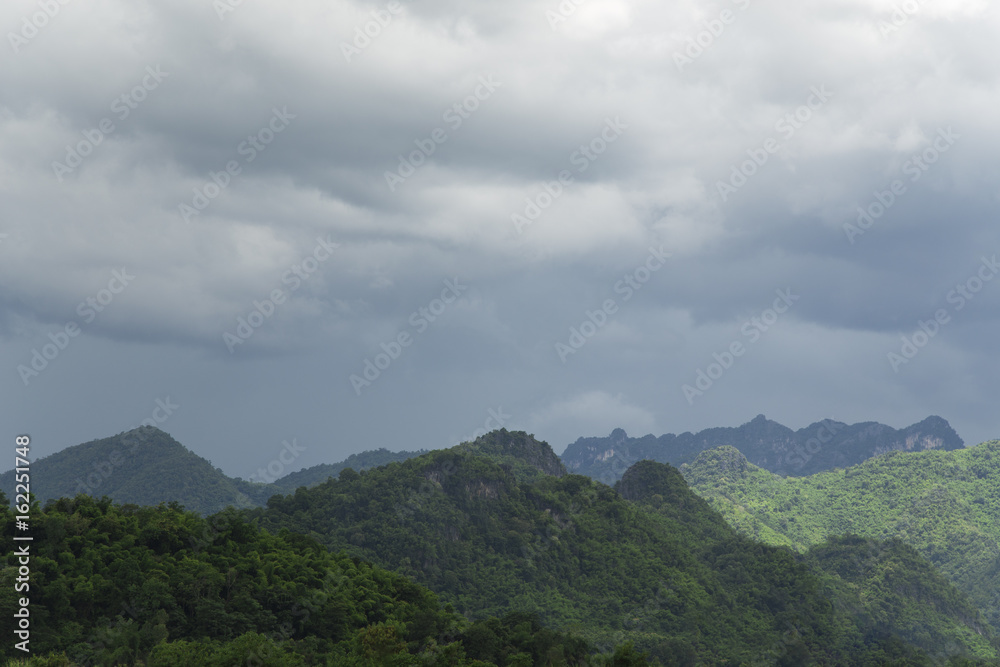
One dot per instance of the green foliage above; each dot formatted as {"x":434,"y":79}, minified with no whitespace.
{"x":115,"y":585}
{"x":320,"y":473}
{"x":662,"y":570}
{"x":144,"y":466}
{"x":944,"y":504}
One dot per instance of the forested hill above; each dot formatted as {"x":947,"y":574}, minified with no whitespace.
{"x":821,"y":446}
{"x":318,"y":474}
{"x":491,"y":535}
{"x":144,"y":466}
{"x":161,"y":587}
{"x":944,"y":504}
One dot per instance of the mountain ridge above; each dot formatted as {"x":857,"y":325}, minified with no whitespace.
{"x":582,"y":555}
{"x":822,"y":445}
{"x":944,"y":504}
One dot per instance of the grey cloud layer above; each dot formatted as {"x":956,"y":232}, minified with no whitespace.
{"x":190,"y":93}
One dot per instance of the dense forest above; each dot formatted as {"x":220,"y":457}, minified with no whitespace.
{"x":944,"y":504}
{"x":490,"y":553}
{"x":668,"y":575}
{"x":163,"y":587}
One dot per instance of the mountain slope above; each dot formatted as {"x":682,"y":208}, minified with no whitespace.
{"x":114,"y":585}
{"x":318,"y":474}
{"x":144,"y":466}
{"x":662,"y":569}
{"x":767,"y":444}
{"x":944,"y":504}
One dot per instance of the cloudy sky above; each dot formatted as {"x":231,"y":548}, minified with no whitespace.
{"x":392,"y":224}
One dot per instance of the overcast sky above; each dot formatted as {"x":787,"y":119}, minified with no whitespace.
{"x":560,"y":213}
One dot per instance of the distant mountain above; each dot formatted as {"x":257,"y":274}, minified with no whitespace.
{"x":824,"y":445}
{"x":944,"y":504}
{"x":318,"y":474}
{"x":496,"y":526}
{"x":144,"y":466}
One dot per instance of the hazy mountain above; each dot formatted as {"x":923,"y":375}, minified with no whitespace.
{"x":491,"y":531}
{"x":318,"y":474}
{"x":144,"y":466}
{"x":824,"y":445}
{"x":944,"y":504}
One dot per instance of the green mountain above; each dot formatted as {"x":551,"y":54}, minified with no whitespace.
{"x":494,"y":527}
{"x":144,"y":466}
{"x":161,"y":587}
{"x":821,"y":446}
{"x":944,"y":504}
{"x":318,"y":474}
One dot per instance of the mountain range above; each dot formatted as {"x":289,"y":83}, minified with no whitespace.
{"x":823,"y":445}
{"x":499,"y":527}
{"x":945,"y":504}
{"x":146,"y":466}
{"x":532,"y":564}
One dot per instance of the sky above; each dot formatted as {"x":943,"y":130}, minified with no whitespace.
{"x":351,"y":225}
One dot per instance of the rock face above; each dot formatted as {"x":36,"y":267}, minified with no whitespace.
{"x":823,"y":445}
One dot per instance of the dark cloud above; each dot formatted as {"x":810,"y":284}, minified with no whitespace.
{"x":828,"y":105}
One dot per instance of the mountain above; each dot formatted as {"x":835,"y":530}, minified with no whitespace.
{"x":318,"y":474}
{"x":497,"y":527}
{"x":144,"y":466}
{"x":821,"y":446}
{"x":127,"y":585}
{"x":944,"y":504}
